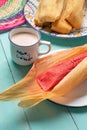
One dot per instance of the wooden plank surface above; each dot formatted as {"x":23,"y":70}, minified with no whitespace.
{"x":46,"y":115}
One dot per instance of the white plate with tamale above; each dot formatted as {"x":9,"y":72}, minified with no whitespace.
{"x":64,"y":73}
{"x":72,"y":28}
{"x":77,"y":97}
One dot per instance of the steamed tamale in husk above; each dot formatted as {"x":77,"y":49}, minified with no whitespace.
{"x":29,"y":92}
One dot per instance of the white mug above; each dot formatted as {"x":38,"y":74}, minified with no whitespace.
{"x":24,"y":45}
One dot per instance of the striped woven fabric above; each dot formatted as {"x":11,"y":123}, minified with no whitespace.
{"x":11,"y":13}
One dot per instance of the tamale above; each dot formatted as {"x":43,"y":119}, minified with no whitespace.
{"x":61,"y":25}
{"x":36,"y":18}
{"x":47,"y":80}
{"x":69,"y":82}
{"x":72,"y":79}
{"x":76,"y":16}
{"x":50,"y":10}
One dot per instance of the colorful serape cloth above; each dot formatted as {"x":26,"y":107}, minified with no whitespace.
{"x":11,"y":14}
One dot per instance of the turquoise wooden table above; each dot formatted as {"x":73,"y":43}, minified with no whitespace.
{"x":46,"y":115}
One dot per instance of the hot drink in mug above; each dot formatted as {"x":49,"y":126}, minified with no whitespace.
{"x":24,"y":45}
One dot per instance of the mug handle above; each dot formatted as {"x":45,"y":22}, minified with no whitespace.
{"x":47,"y":43}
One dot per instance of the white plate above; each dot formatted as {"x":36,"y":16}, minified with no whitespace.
{"x":29,"y":13}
